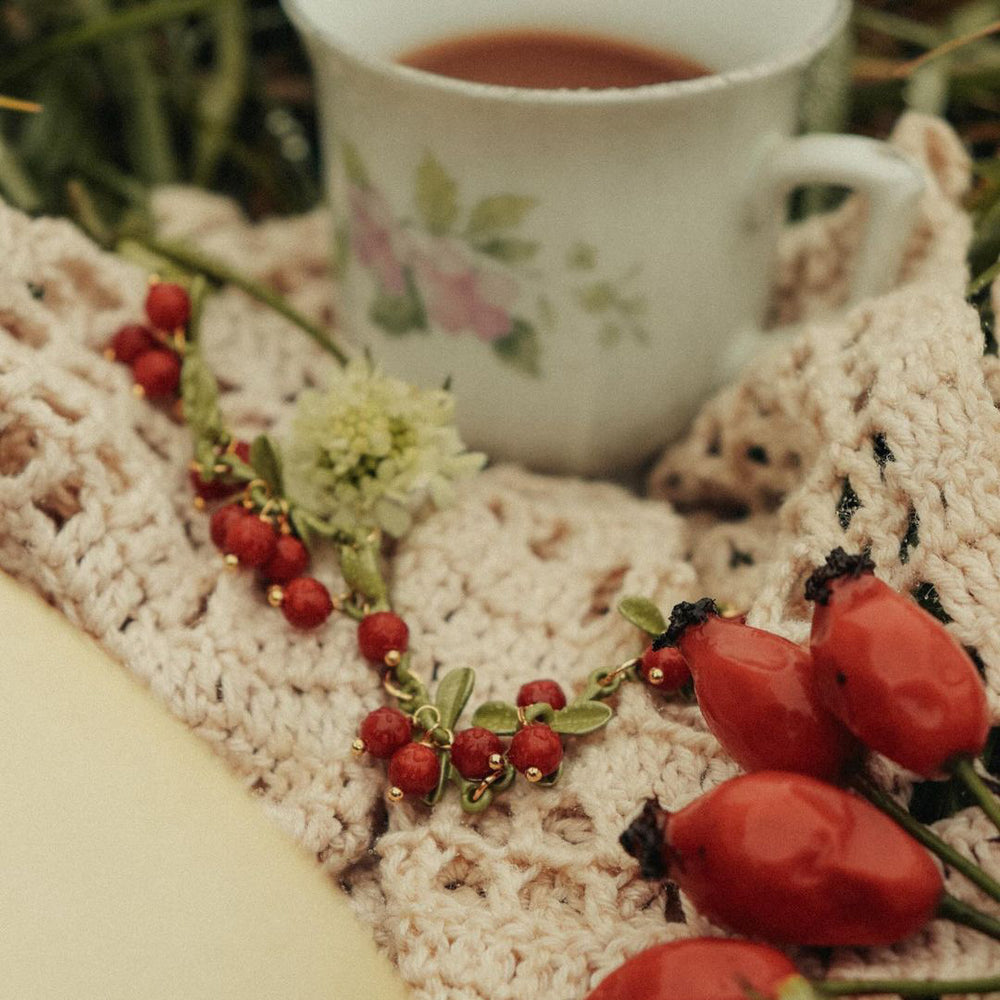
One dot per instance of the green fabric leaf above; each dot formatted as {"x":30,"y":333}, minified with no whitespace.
{"x":642,"y":613}
{"x":581,"y":718}
{"x":354,"y":166}
{"x":266,"y":463}
{"x":437,"y":201}
{"x":433,"y":797}
{"x":507,"y":249}
{"x":361,"y":571}
{"x":502,"y":211}
{"x":200,"y":397}
{"x":498,"y":716}
{"x":520,"y":347}
{"x":452,"y":694}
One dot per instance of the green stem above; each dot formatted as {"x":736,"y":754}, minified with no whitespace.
{"x":222,"y":94}
{"x":194,"y":260}
{"x":987,"y":277}
{"x":124,"y":22}
{"x":930,"y":840}
{"x":965,"y":771}
{"x":955,"y":910}
{"x":15,"y":182}
{"x":906,"y":987}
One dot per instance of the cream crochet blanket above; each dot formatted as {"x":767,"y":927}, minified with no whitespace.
{"x":876,"y":428}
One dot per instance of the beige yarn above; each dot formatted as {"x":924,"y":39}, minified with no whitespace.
{"x":534,"y":898}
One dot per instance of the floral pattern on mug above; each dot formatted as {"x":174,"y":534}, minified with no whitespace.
{"x":465,"y":273}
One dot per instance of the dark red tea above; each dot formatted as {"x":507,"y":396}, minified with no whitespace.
{"x":550,"y":60}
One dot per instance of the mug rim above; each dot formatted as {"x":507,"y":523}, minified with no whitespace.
{"x":646,"y":93}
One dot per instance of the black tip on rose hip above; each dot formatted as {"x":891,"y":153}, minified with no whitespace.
{"x":683,"y":616}
{"x":643,"y":840}
{"x":838,"y":564}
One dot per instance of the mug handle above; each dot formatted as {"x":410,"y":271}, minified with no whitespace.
{"x":892,"y":181}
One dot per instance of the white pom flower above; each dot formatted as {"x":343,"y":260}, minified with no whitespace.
{"x":371,"y":451}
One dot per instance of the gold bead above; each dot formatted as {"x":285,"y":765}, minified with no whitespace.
{"x":393,"y":658}
{"x":275,"y":596}
{"x":198,"y":503}
{"x":138,"y":391}
{"x":394,"y":795}
{"x":358,"y":747}
{"x":495,"y":762}
{"x":533,"y":774}
{"x":656,"y":676}
{"x":232,"y":561}
{"x":109,"y":354}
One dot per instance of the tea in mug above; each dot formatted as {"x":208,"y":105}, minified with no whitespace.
{"x":551,"y":60}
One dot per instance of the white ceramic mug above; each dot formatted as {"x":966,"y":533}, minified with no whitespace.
{"x":583,"y":265}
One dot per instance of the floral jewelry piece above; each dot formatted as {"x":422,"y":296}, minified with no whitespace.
{"x":365,"y":458}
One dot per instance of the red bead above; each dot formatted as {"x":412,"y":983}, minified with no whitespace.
{"x":290,"y":559}
{"x":674,"y":671}
{"x":541,"y":692}
{"x":131,"y":341}
{"x":251,"y":540}
{"x":158,"y":372}
{"x":212,"y":489}
{"x":242,"y":450}
{"x":221,"y":520}
{"x":381,"y":633}
{"x":384,"y":731}
{"x":306,"y":602}
{"x":536,"y":745}
{"x":471,"y":751}
{"x":414,"y":769}
{"x":167,"y":305}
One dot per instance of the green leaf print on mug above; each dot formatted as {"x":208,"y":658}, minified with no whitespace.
{"x":464,"y":272}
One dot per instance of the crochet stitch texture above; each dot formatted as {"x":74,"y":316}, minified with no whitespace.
{"x":878,"y":427}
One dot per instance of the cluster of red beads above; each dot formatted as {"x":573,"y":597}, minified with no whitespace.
{"x":254,"y":540}
{"x":148,"y":349}
{"x":476,"y":753}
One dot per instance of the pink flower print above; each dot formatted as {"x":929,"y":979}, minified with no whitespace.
{"x":372,"y":233}
{"x":459,"y":298}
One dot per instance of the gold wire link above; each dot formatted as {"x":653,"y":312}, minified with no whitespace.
{"x":397,"y":692}
{"x":521,"y":717}
{"x":485,"y":783}
{"x":433,"y":709}
{"x":622,"y":668}
{"x":447,"y":738}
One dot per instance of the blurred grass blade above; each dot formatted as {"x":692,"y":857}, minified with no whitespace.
{"x":16,"y":185}
{"x":120,"y":23}
{"x":903,"y":29}
{"x":147,"y":130}
{"x":222,"y":94}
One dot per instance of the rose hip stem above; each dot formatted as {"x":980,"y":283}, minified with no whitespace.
{"x":953,"y":909}
{"x":905,"y":987}
{"x":928,"y":838}
{"x":965,"y":771}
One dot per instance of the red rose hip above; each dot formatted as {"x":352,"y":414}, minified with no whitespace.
{"x":793,"y":860}
{"x":157,"y":372}
{"x":891,"y":672}
{"x":471,"y":751}
{"x":381,"y":633}
{"x":305,"y":602}
{"x":168,"y":305}
{"x":536,"y":751}
{"x":698,"y":969}
{"x":755,"y":691}
{"x":544,"y":692}
{"x":384,"y":731}
{"x":414,"y":769}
